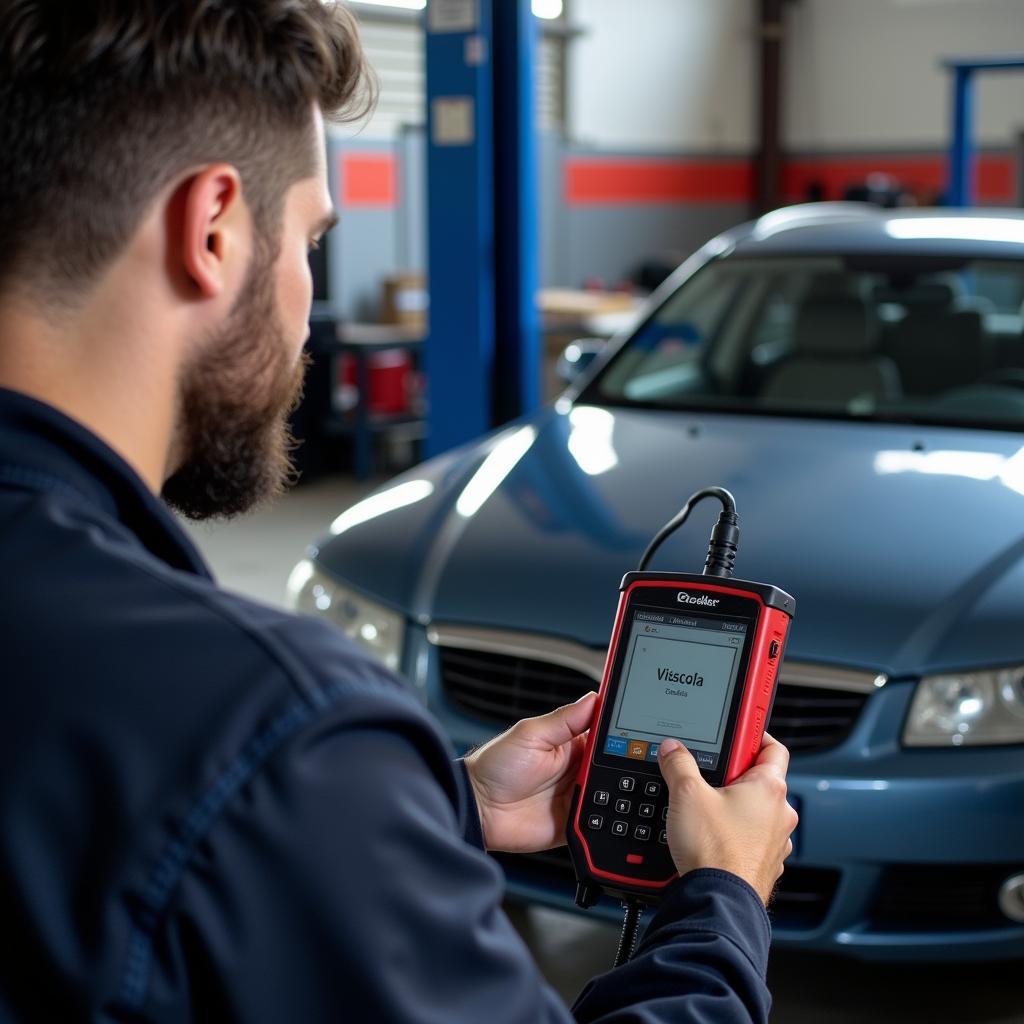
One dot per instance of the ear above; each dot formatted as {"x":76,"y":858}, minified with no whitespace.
{"x":213,"y":222}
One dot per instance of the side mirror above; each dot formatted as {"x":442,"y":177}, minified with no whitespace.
{"x":577,"y":357}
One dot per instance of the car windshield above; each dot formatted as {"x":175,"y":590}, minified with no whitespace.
{"x":931,"y":340}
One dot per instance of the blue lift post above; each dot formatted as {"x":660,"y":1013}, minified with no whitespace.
{"x":482,"y":352}
{"x":961,"y":151}
{"x":518,"y":364}
{"x":459,"y":354}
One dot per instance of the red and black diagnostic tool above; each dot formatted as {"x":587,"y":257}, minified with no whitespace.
{"x":694,"y":657}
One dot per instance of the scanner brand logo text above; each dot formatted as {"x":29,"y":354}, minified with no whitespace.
{"x":708,"y":602}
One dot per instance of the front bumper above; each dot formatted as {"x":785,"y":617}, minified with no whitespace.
{"x":901,"y":852}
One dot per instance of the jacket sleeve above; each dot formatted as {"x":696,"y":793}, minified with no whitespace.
{"x":472,"y":828}
{"x":703,"y":959}
{"x":338,"y":885}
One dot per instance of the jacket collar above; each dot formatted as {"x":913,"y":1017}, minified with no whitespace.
{"x":42,"y":449}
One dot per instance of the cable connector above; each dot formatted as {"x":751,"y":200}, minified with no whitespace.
{"x":724,"y":537}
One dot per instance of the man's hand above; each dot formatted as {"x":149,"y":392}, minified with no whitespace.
{"x":743,"y":828}
{"x":523,"y":778}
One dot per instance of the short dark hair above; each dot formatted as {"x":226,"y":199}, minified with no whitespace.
{"x":104,"y":102}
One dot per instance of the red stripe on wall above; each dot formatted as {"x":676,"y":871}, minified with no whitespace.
{"x":925,"y":176}
{"x":996,"y":182}
{"x":369,"y":179}
{"x":598,"y":180}
{"x":618,"y":181}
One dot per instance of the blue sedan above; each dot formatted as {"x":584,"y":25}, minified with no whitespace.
{"x":855,"y":377}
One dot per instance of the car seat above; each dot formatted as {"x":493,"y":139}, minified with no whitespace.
{"x":936,"y":346}
{"x":834,"y":357}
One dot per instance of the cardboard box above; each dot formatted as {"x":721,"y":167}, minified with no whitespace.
{"x":405,"y":300}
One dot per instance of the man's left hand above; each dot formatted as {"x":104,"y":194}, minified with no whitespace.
{"x":523,"y":778}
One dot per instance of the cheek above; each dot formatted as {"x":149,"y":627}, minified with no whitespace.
{"x":295,"y":294}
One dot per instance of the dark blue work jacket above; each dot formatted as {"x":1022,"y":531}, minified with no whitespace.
{"x":211,"y":810}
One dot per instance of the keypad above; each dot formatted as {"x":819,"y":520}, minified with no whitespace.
{"x":634,"y":820}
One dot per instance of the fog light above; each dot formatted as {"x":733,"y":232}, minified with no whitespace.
{"x":1011,"y":898}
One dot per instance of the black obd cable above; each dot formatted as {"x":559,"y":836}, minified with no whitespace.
{"x":725,"y":537}
{"x":630,"y":932}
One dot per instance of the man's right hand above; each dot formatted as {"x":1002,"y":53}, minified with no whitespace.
{"x":743,"y":828}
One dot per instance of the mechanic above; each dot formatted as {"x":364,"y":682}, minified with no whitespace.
{"x":213,"y":810}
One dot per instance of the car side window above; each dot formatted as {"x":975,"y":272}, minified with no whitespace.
{"x":667,"y":357}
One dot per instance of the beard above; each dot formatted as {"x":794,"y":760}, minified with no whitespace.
{"x":235,"y":399}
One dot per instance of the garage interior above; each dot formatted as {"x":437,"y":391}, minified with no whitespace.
{"x":594,"y":255}
{"x":613,"y":140}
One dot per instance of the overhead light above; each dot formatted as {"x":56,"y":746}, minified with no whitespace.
{"x":549,"y":9}
{"x":407,"y":5}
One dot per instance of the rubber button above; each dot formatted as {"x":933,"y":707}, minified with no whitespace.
{"x":634,"y":858}
{"x":773,"y":650}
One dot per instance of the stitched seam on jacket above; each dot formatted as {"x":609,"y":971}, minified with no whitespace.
{"x":164,"y":879}
{"x":313,"y":698}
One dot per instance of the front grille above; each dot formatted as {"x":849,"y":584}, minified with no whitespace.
{"x":958,"y":897}
{"x":807,"y":719}
{"x":503,"y":688}
{"x":801,"y":900}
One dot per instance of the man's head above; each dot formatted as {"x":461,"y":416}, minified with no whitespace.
{"x":186,"y":137}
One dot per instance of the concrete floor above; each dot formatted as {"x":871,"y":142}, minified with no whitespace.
{"x":254,"y":555}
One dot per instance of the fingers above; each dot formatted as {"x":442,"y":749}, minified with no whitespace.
{"x":677,"y":763}
{"x":774,"y":756}
{"x":562,"y":724}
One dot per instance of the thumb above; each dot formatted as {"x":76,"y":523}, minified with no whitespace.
{"x":677,"y":763}
{"x":562,"y":724}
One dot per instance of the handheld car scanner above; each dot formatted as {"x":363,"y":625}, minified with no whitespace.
{"x":695,"y":657}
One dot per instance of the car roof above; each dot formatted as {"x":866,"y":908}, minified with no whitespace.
{"x":820,"y":228}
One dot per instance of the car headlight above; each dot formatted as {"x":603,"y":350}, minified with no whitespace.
{"x":380,"y":630}
{"x":967,"y":709}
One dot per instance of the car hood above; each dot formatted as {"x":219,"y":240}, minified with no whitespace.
{"x":902,"y":545}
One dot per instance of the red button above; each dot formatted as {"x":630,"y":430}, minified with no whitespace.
{"x":634,"y":858}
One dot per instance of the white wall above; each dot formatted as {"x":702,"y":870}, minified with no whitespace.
{"x":865,"y":73}
{"x":663,"y":74}
{"x":860,"y":74}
